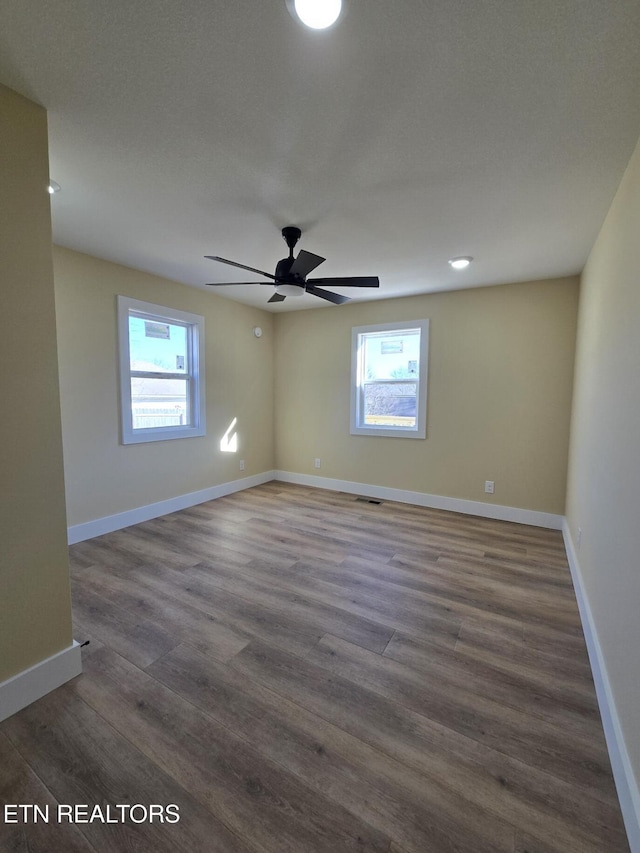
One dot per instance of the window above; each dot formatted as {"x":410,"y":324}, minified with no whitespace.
{"x":389,"y":379}
{"x":161,"y":372}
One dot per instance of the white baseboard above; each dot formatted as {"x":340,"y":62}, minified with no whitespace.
{"x":34,"y":683}
{"x":487,"y":510}
{"x":109,"y":523}
{"x":626,"y":783}
{"x":80,"y":532}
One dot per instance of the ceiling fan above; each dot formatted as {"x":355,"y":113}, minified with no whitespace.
{"x":290,"y":278}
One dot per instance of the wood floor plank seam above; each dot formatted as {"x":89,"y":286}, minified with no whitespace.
{"x":389,"y":641}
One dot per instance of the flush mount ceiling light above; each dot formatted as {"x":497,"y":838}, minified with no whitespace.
{"x":318,"y":14}
{"x":53,"y":187}
{"x":460,"y":263}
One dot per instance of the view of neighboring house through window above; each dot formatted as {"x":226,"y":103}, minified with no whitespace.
{"x":389,"y":379}
{"x":161,"y":372}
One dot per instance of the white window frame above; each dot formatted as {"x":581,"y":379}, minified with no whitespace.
{"x":358,"y":333}
{"x":196,"y":375}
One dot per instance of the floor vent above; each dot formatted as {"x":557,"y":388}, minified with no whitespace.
{"x":369,"y":501}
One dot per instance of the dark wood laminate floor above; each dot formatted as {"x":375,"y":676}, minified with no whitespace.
{"x":300,"y":671}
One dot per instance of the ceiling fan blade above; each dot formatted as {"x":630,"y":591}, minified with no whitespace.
{"x":277,"y":297}
{"x":233,"y":283}
{"x":241,"y":266}
{"x":356,"y":281}
{"x":336,"y":298}
{"x":305,"y":263}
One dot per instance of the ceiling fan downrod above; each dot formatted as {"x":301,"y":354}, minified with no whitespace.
{"x":291,"y":234}
{"x":294,"y":283}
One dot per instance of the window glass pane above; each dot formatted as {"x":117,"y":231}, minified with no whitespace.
{"x":391,"y":355}
{"x":165,"y":347}
{"x":389,"y":379}
{"x":159,"y":402}
{"x":157,"y":345}
{"x":391,"y":405}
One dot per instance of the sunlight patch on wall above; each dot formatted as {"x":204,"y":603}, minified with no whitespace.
{"x":229,"y":441}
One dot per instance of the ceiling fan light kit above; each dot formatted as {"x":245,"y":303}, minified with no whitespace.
{"x":291,"y":273}
{"x":289,"y":289}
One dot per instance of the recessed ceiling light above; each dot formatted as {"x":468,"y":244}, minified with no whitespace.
{"x":460,"y":263}
{"x":318,"y":14}
{"x":53,"y":187}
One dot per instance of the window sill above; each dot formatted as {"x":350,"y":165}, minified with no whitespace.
{"x":146,"y":436}
{"x":388,"y":433}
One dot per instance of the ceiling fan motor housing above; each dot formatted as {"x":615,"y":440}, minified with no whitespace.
{"x":283,"y":274}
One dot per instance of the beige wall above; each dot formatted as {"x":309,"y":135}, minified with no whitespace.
{"x":103,"y":476}
{"x":603,"y":497}
{"x":500,"y":379}
{"x":35,"y":608}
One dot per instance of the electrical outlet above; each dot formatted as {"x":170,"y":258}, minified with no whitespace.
{"x":316,"y":463}
{"x":579,"y":538}
{"x":242,"y":464}
{"x":489,"y":486}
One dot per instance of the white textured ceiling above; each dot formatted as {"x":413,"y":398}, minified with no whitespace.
{"x":412,"y":131}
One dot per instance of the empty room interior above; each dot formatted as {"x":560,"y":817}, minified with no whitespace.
{"x":321,"y":403}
